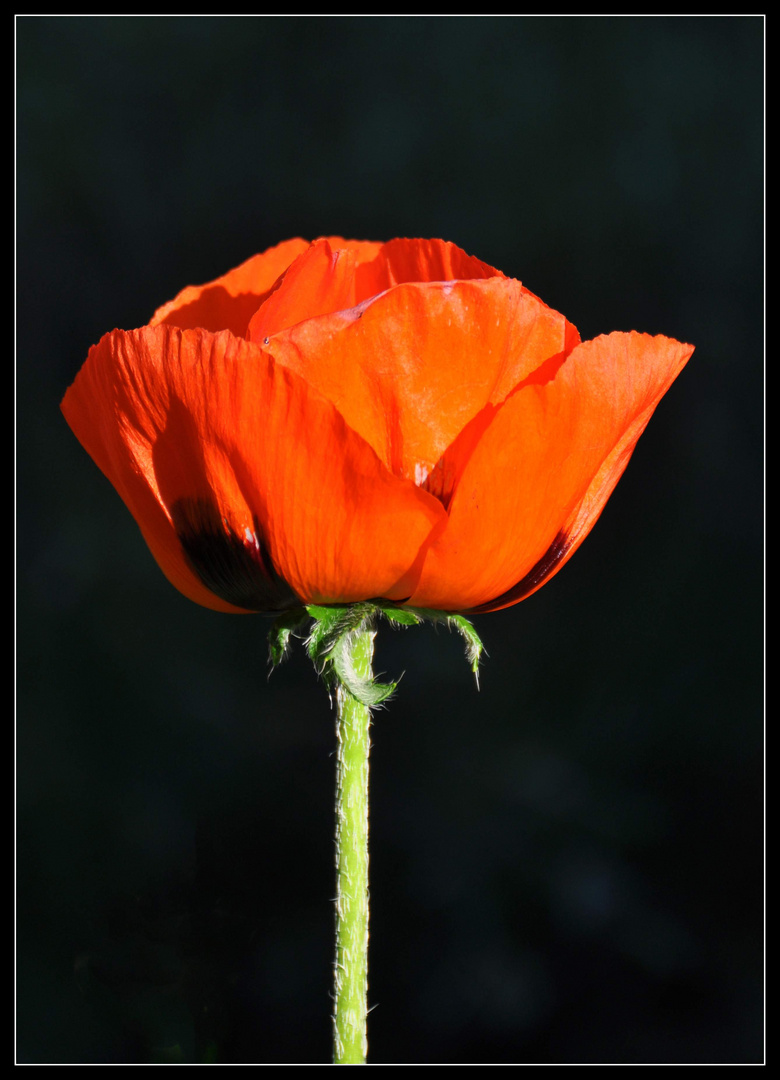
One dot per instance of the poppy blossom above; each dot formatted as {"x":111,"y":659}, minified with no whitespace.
{"x":343,"y":421}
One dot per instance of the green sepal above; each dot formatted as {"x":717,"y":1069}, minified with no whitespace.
{"x":408,"y":616}
{"x":280,"y":633}
{"x":330,"y":639}
{"x":329,"y":646}
{"x":367,"y":691}
{"x":474,"y":646}
{"x":453,"y":621}
{"x":321,"y":635}
{"x":399,"y":616}
{"x":331,"y":624}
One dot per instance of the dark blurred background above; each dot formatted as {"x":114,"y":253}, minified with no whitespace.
{"x":566,"y":867}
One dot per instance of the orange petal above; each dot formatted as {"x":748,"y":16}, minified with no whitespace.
{"x":401,"y":261}
{"x":251,"y":491}
{"x":321,"y":280}
{"x":229,"y":302}
{"x":334,"y":274}
{"x":540,"y":474}
{"x":362,"y":250}
{"x":409,"y":369}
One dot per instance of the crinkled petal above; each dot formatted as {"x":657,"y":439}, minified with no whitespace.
{"x":321,"y":280}
{"x":250,"y":489}
{"x":333,"y":274}
{"x":541,"y":470}
{"x":229,"y":302}
{"x":401,"y":261}
{"x":409,"y":369}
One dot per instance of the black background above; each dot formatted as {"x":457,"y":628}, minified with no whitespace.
{"x":566,"y":867}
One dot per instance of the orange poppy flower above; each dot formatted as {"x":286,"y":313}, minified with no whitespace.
{"x":343,"y":421}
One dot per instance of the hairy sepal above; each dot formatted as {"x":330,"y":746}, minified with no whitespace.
{"x":330,"y":646}
{"x":459,"y":623}
{"x":285,"y":627}
{"x":331,"y":638}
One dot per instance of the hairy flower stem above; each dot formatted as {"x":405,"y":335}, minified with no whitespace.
{"x":351,"y":965}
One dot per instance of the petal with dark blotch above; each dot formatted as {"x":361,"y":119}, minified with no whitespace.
{"x":237,"y":568}
{"x":541,"y":472}
{"x":248,"y":486}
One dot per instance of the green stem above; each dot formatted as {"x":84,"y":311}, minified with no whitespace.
{"x":351,"y":967}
